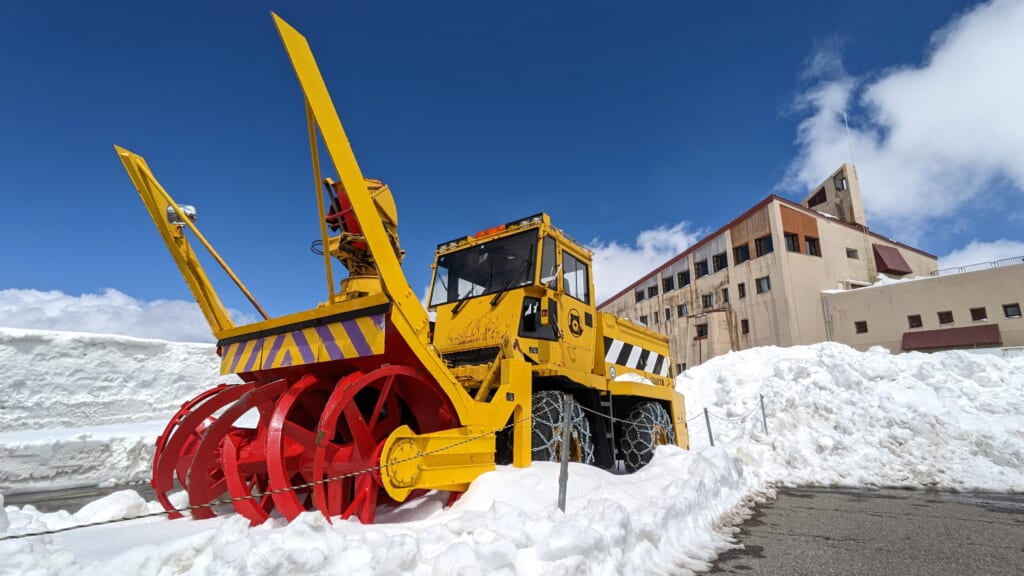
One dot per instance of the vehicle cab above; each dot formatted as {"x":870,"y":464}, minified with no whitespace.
{"x":524,"y":284}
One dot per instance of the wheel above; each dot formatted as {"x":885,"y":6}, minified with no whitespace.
{"x":291,"y":443}
{"x":233,"y":459}
{"x":176,"y":447}
{"x":360,"y":415}
{"x":548,"y":407}
{"x":647,"y":426}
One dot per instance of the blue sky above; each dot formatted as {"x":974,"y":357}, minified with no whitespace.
{"x":637,"y":126}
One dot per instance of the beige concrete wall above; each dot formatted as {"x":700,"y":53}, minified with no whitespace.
{"x":885,"y":308}
{"x":791,"y":312}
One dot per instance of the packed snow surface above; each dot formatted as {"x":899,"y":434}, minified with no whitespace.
{"x":835,"y":416}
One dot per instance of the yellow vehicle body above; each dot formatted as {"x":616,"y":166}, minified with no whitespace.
{"x":514,"y":317}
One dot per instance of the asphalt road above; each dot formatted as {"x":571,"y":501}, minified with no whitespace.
{"x":821,"y":532}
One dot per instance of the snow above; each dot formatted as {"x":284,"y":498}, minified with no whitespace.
{"x":80,"y":409}
{"x":883,"y":280}
{"x":835,"y":416}
{"x":839,"y":417}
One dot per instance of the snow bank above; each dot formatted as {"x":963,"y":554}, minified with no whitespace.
{"x":672,"y":517}
{"x":82,"y":409}
{"x":836,"y":416}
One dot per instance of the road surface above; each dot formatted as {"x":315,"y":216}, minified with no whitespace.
{"x":821,"y":532}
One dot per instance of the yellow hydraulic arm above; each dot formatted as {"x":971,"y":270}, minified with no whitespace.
{"x":409,"y":317}
{"x":161,"y":206}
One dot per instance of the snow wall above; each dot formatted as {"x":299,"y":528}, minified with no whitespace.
{"x":73,"y":405}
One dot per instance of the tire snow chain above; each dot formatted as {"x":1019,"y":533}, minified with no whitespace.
{"x":213,"y":503}
{"x":614,"y":419}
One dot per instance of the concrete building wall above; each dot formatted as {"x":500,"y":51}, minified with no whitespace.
{"x":810,"y":251}
{"x":886,"y":309}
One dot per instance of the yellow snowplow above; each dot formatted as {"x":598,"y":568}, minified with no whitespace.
{"x":363,"y":400}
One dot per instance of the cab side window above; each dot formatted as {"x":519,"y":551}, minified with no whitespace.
{"x":575,"y":278}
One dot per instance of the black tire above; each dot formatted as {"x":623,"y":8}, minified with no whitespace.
{"x":648,"y":426}
{"x":548,"y":408}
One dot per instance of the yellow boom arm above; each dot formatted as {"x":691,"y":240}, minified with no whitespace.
{"x":409,"y":318}
{"x":160,"y":206}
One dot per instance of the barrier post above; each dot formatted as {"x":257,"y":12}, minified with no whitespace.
{"x":707,"y":420}
{"x":764,"y":418}
{"x":563,"y":474}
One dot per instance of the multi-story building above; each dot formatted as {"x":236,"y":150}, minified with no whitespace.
{"x":758,"y":280}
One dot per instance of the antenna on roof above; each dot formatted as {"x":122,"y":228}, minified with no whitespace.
{"x":849,"y":141}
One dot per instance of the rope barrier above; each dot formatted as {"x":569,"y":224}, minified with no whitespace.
{"x":740,"y":419}
{"x":220,"y":502}
{"x":255,"y":496}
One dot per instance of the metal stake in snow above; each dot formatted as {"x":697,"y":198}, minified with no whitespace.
{"x":707,"y":421}
{"x":563,"y":475}
{"x":764,"y":418}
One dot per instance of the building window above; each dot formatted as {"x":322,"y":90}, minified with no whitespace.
{"x":852,"y":254}
{"x":764,"y":284}
{"x":839,"y":182}
{"x":652,"y":291}
{"x":707,"y":300}
{"x":639,"y":295}
{"x":668,"y":284}
{"x":818,"y":198}
{"x":720,"y":262}
{"x":702,"y":330}
{"x":654,"y":315}
{"x":725,"y":295}
{"x":681,"y":311}
{"x":643,"y":320}
{"x":680,"y":366}
{"x":763,"y":245}
{"x":741,"y":254}
{"x":792,"y":242}
{"x":861,"y":327}
{"x":668,"y":314}
{"x":1011,"y":310}
{"x":946,"y":317}
{"x":684,"y":278}
{"x":914,"y":321}
{"x":745,"y":326}
{"x":700,"y":268}
{"x":742,"y":287}
{"x":813,"y":246}
{"x":979,"y":314}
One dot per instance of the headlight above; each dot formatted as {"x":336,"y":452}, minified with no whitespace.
{"x":188,"y":210}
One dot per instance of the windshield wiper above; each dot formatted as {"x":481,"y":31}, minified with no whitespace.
{"x":528,"y":265}
{"x":462,"y":300}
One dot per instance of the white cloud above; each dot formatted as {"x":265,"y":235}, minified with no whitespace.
{"x":982,"y":252}
{"x":111,"y":312}
{"x":932,"y":137}
{"x":618,"y":265}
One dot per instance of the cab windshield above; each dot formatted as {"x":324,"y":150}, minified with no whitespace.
{"x":487,"y":268}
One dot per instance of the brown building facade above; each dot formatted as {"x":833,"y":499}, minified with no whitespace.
{"x":759,"y":279}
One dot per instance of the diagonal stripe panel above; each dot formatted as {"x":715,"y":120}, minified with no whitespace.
{"x":352,"y":338}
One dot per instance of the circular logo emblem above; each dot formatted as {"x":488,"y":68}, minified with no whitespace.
{"x":575,"y":324}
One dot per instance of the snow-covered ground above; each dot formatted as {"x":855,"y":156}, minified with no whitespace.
{"x":84,"y":409}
